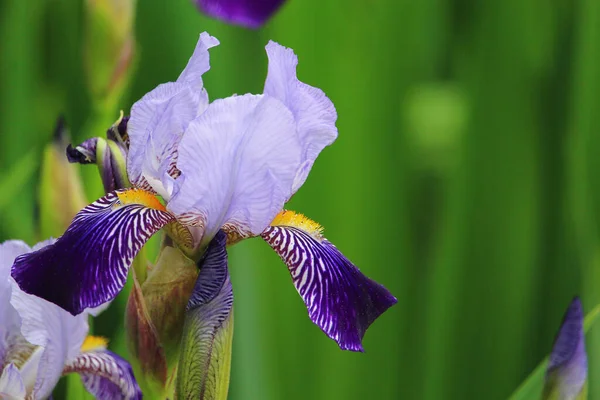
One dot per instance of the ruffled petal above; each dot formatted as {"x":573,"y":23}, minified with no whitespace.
{"x":159,"y":119}
{"x":566,"y":374}
{"x":205,"y":360}
{"x":88,"y":265}
{"x":248,"y":13}
{"x":59,"y":333}
{"x":340,"y":299}
{"x":11,"y":384}
{"x":238,"y":161}
{"x":106,"y":375}
{"x":314,"y":113}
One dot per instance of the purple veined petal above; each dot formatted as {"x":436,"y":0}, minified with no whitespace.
{"x":11,"y":383}
{"x":203,"y":370}
{"x":88,"y":265}
{"x":105,"y":375}
{"x":566,"y":374}
{"x":248,"y":13}
{"x":158,"y":120}
{"x":314,"y":113}
{"x":340,"y":299}
{"x":237,"y":161}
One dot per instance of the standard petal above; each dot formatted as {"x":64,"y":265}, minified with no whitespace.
{"x":314,"y":113}
{"x":88,"y":265}
{"x":105,"y":375}
{"x":205,"y":361}
{"x":238,"y":161}
{"x":566,"y":374}
{"x":248,"y":13}
{"x":11,"y":384}
{"x":159,"y":119}
{"x":340,"y":299}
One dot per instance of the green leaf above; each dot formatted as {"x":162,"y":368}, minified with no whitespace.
{"x":16,"y":177}
{"x":531,"y":388}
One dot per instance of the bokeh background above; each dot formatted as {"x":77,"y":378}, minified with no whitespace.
{"x":464,"y":178}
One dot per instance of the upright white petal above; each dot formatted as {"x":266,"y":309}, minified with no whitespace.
{"x":238,"y":161}
{"x":159,"y":119}
{"x":314,"y":113}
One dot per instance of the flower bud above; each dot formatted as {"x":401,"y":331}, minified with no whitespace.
{"x":109,"y":154}
{"x":109,"y":46}
{"x":155,"y":317}
{"x":566,"y":375}
{"x":61,"y":194}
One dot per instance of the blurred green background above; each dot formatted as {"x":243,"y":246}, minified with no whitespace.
{"x":464,"y":177}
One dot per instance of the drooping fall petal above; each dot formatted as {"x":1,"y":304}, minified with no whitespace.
{"x":248,"y":13}
{"x":340,"y":299}
{"x":88,"y":265}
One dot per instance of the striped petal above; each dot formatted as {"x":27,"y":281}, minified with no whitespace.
{"x":205,"y":361}
{"x":340,"y":299}
{"x":88,"y":265}
{"x":105,"y":375}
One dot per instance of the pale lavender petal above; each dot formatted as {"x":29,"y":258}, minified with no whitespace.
{"x":248,"y":13}
{"x":158,"y":121}
{"x":11,"y":384}
{"x":340,"y":299}
{"x":105,"y":375}
{"x":567,"y":368}
{"x":59,"y":333}
{"x":238,"y":161}
{"x":314,"y":113}
{"x":88,"y":265}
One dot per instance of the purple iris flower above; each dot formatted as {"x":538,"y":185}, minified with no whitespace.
{"x":228,"y":165}
{"x":249,"y":13}
{"x":39,"y":342}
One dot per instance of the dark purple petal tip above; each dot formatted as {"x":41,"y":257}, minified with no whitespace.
{"x":88,"y":265}
{"x":106,"y":375}
{"x":570,"y":339}
{"x":248,"y":13}
{"x":340,"y":299}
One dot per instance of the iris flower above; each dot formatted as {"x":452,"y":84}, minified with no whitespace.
{"x":248,"y":13}
{"x":228,"y":165}
{"x":39,"y":342}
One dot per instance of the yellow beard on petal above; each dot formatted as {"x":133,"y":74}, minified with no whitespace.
{"x":297,"y":220}
{"x":92,"y":343}
{"x":140,"y":196}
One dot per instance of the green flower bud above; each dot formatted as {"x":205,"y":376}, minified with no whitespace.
{"x":61,"y":194}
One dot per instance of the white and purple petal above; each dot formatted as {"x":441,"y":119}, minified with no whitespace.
{"x":88,"y":265}
{"x":105,"y":375}
{"x":248,"y":13}
{"x":158,"y":120}
{"x":238,"y":161}
{"x":205,"y":359}
{"x":313,"y":112}
{"x":340,"y":299}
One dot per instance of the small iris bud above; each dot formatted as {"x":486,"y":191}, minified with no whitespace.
{"x":566,"y":375}
{"x":109,"y":46}
{"x":109,"y":154}
{"x":61,"y":193}
{"x":155,"y":318}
